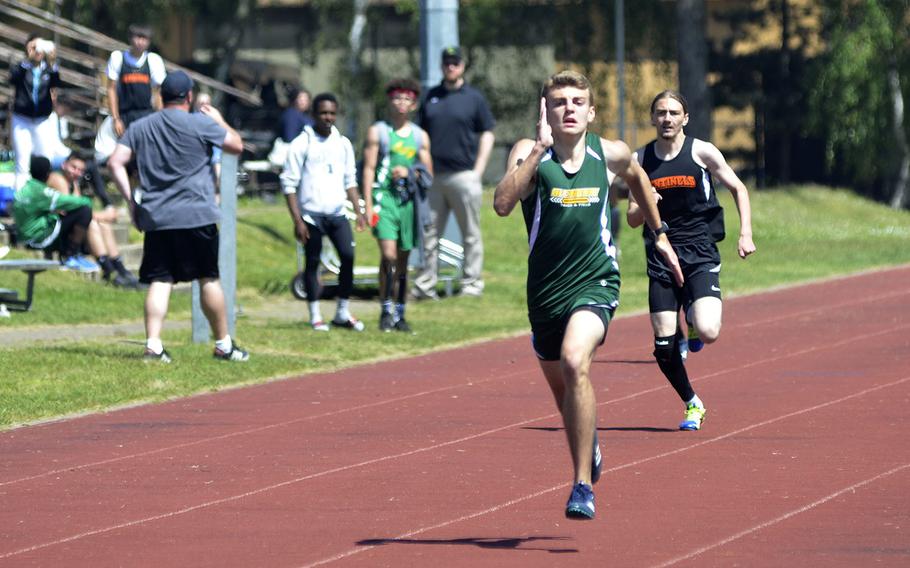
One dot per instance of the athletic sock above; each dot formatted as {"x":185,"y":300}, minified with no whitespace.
{"x":224,"y":345}
{"x":107,"y":266}
{"x":387,"y":307}
{"x":315,"y":314}
{"x":154,"y":345}
{"x":696,"y":401}
{"x":666,"y":351}
{"x":342,"y":313}
{"x":399,"y":311}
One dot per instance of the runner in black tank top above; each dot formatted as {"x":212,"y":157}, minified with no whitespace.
{"x":681,"y":170}
{"x":562,"y":181}
{"x":134,"y":89}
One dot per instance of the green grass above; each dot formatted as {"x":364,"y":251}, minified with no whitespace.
{"x":802,"y":233}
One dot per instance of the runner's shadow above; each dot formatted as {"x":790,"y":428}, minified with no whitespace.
{"x":513,"y":543}
{"x":604,"y":429}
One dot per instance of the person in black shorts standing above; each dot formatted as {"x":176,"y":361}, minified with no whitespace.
{"x":682,"y":169}
{"x":134,"y":77}
{"x":175,"y":207}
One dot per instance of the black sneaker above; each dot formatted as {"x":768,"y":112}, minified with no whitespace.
{"x":152,"y":357}
{"x":386,"y":322}
{"x":236,"y":353}
{"x":402,"y":325}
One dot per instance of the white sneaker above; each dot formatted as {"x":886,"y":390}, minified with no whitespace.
{"x":471,"y":290}
{"x":320,"y":326}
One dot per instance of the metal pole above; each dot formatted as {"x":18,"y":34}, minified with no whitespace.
{"x":620,"y":27}
{"x":438,"y":29}
{"x":227,"y":254}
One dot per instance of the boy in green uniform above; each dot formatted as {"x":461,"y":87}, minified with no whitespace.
{"x":392,"y":149}
{"x":49,"y":220}
{"x":562,"y":181}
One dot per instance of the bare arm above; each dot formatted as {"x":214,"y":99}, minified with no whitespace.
{"x":58,"y":182}
{"x":619,"y":161}
{"x":117,"y":164}
{"x":368,"y":175}
{"x":484,"y":148}
{"x":717,"y":165}
{"x":233,"y":144}
{"x":518,"y":182}
{"x":113,"y":104}
{"x":157,"y":103}
{"x":354,"y":198}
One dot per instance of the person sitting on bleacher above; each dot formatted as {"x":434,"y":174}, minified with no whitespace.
{"x":100,"y":239}
{"x":48,"y":220}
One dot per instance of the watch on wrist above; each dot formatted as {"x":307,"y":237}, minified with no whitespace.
{"x":660,"y":230}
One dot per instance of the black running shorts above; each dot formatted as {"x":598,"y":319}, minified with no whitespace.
{"x":546,"y":338}
{"x":665,"y":297}
{"x":180,"y":255}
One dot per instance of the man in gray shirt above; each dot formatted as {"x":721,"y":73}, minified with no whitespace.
{"x":175,"y":206}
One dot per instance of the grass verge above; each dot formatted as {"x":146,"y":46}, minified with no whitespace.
{"x":802,"y":233}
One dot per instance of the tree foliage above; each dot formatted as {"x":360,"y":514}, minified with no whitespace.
{"x":850,"y":101}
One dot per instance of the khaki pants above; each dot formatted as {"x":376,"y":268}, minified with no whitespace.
{"x":460,"y":193}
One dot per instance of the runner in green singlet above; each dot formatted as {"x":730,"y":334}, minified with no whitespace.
{"x":391,"y":149}
{"x":562,"y":180}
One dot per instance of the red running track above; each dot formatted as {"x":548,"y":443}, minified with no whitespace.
{"x":458,"y":459}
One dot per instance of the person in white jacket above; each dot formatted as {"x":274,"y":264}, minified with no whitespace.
{"x":319,"y":176}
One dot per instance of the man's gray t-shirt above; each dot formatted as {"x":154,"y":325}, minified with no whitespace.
{"x":173,"y":152}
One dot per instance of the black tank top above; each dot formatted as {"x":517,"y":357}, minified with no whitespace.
{"x":688,"y":202}
{"x":134,"y":88}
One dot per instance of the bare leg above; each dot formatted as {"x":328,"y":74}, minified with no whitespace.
{"x":575,"y":396}
{"x":213,"y":305}
{"x":110,"y":242}
{"x":706,"y":316}
{"x":96,"y":240}
{"x":156,"y":304}
{"x":388,"y":250}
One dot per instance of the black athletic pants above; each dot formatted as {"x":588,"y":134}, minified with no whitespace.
{"x":338,"y":230}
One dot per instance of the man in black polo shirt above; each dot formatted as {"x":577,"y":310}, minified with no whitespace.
{"x":134,"y":77}
{"x":460,"y":125}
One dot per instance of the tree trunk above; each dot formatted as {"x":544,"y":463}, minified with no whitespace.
{"x":899,"y":191}
{"x":692,"y":57}
{"x":234,"y":39}
{"x":785,"y":97}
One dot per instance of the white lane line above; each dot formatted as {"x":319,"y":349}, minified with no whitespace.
{"x":74,"y":468}
{"x":358,"y":550}
{"x":826,"y":308}
{"x":781,"y":518}
{"x":381,"y":459}
{"x":252,"y":430}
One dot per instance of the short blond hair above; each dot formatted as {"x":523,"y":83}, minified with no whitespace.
{"x":568,"y":78}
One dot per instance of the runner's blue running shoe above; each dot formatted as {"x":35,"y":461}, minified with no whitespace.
{"x":695,"y":342}
{"x":581,"y":502}
{"x":695,"y":415}
{"x":596,"y":461}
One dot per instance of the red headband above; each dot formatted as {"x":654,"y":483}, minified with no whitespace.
{"x":400,"y":91}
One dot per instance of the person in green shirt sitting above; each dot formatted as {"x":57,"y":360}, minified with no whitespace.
{"x":51,"y":221}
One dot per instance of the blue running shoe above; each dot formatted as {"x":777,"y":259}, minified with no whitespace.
{"x":695,"y":415}
{"x":695,"y":342}
{"x":581,"y":502}
{"x":596,"y":461}
{"x":78,"y":263}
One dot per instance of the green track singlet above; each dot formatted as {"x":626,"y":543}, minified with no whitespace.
{"x":396,"y":217}
{"x":572,"y":259}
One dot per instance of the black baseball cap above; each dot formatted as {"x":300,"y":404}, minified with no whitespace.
{"x":176,"y":86}
{"x":452,"y":53}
